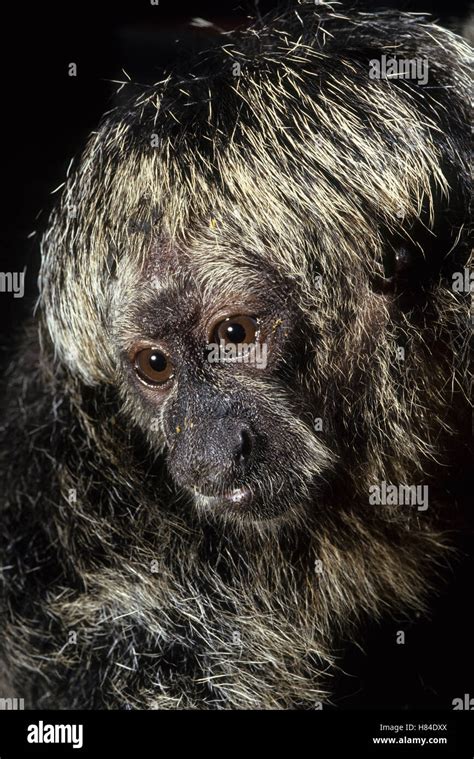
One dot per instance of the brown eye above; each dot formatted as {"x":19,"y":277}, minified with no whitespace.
{"x":236,"y":329}
{"x":153,"y":366}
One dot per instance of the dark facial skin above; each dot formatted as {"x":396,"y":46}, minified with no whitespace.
{"x":236,"y":435}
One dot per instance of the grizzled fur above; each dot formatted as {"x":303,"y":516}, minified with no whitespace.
{"x":334,"y":207}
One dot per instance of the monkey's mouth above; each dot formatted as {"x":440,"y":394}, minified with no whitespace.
{"x":238,"y":498}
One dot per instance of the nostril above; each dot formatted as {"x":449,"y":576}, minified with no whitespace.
{"x":245,"y":445}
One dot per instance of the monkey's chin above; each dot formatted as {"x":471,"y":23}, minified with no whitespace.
{"x":245,"y":509}
{"x":238,"y":499}
{"x":245,"y":506}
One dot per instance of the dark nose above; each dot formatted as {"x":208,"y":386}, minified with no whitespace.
{"x":213,"y":459}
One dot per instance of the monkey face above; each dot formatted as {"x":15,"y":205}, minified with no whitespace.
{"x":215,"y":379}
{"x":214,"y":234}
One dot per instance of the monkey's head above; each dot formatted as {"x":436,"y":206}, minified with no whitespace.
{"x":256,"y":256}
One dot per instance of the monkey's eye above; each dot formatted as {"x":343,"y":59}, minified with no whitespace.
{"x":153,"y":366}
{"x":397,"y":261}
{"x":236,"y":329}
